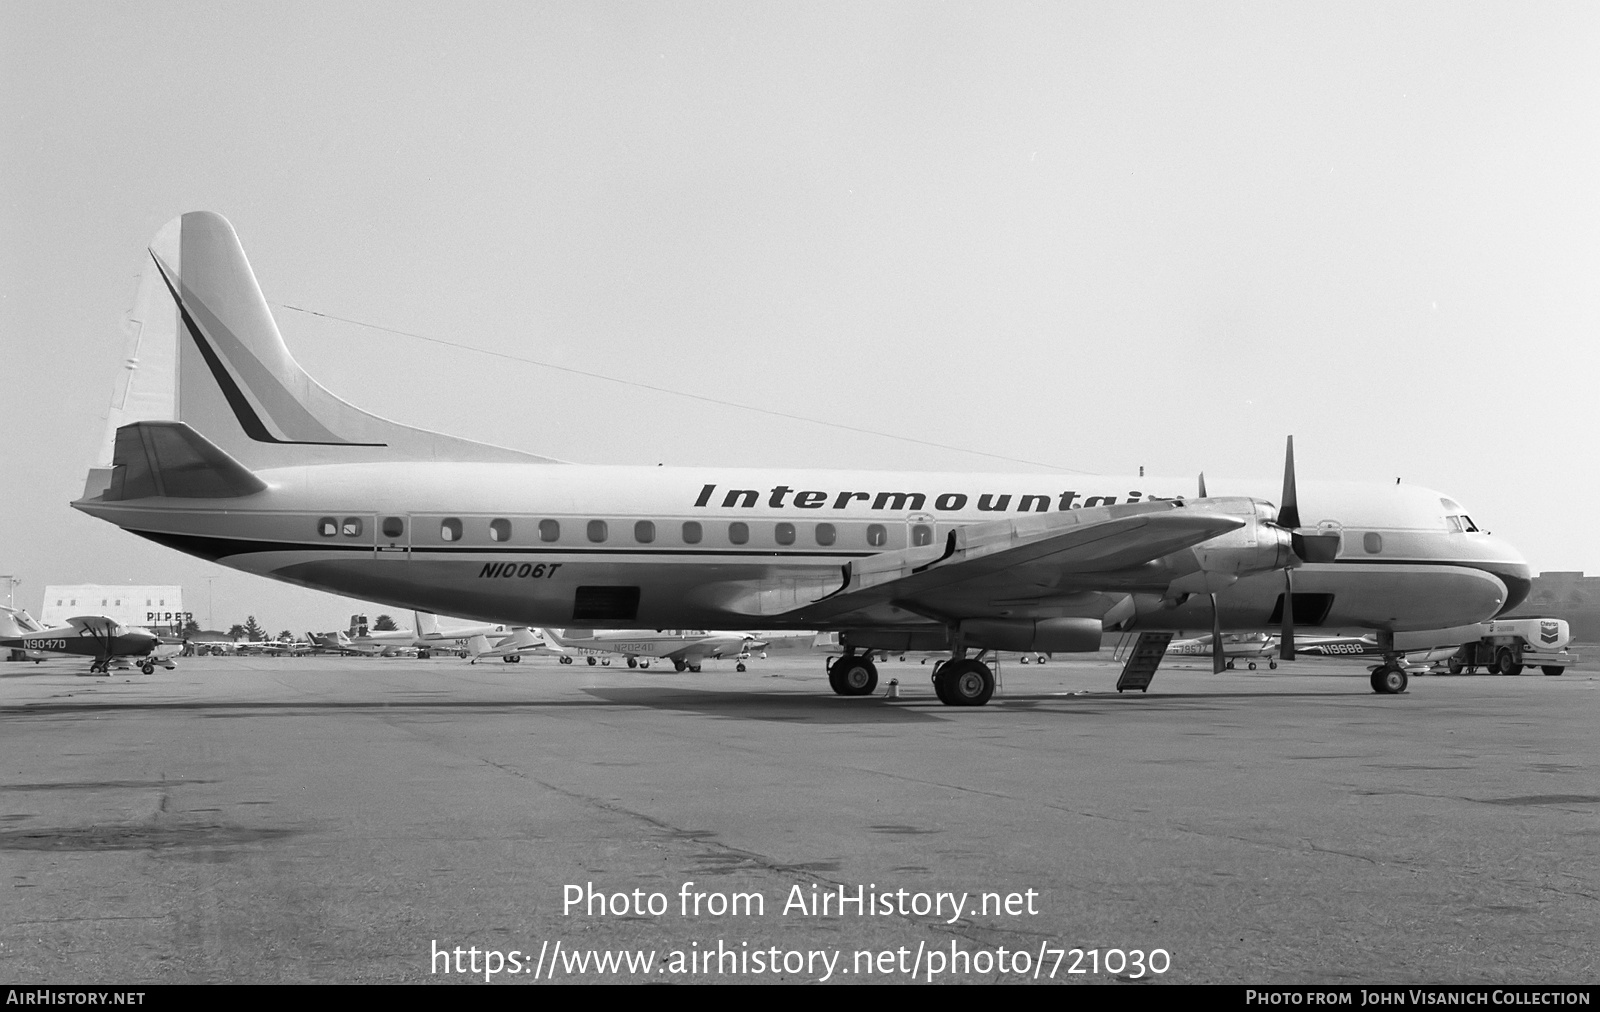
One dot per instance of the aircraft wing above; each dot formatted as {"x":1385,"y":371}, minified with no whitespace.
{"x":99,"y":625}
{"x":1010,"y":564}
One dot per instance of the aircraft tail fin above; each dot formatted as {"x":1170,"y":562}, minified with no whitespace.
{"x":477,"y":646}
{"x":204,"y":349}
{"x":426,"y":623}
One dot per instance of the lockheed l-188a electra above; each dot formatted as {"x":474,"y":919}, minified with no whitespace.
{"x":221,"y":446}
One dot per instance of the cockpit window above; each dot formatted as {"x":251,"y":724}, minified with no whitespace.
{"x":1456,"y":518}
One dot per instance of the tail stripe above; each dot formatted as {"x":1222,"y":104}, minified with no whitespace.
{"x":243,"y":410}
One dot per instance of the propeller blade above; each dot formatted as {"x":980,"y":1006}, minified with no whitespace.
{"x":1202,"y":484}
{"x":1289,"y":507}
{"x":1286,"y":633}
{"x":1217,"y":663}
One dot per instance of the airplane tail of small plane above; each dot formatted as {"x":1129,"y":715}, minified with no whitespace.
{"x":203,"y":349}
{"x":426,"y":623}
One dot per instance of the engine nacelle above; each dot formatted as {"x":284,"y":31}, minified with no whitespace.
{"x":1045,"y":635}
{"x":1257,"y":547}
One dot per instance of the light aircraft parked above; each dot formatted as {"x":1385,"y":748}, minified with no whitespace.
{"x":99,"y":638}
{"x":1249,"y":647}
{"x":514,"y":645}
{"x":223,"y":447}
{"x":339,"y":642}
{"x":687,"y":649}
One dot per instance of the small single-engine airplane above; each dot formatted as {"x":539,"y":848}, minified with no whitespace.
{"x":221,"y":446}
{"x":687,"y":649}
{"x":97,"y":637}
{"x":1249,"y":647}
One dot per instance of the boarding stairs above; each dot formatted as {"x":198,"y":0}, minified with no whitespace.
{"x":1143,"y":661}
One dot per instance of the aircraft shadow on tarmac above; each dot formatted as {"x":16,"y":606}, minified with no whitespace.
{"x":784,"y":707}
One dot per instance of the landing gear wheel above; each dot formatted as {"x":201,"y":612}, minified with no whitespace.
{"x":590,"y":660}
{"x":633,"y":662}
{"x":739,"y":667}
{"x":1553,"y":669}
{"x":1505,"y":664}
{"x":694,"y":669}
{"x":1389,"y":680}
{"x":853,"y":676}
{"x":678,"y":665}
{"x":1273,"y":665}
{"x":515,"y":658}
{"x":148,"y":668}
{"x":1454,"y":666}
{"x":606,"y":662}
{"x":566,"y":660}
{"x":1252,"y":665}
{"x":1229,"y":665}
{"x":644,"y":664}
{"x":964,"y":683}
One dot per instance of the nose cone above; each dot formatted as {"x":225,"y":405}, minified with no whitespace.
{"x":1518,"y":578}
{"x":1505,"y":562}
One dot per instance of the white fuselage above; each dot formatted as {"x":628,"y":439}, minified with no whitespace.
{"x":631,"y":547}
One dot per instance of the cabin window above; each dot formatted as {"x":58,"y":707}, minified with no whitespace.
{"x":644,"y":532}
{"x":877,"y":535}
{"x":549,"y":530}
{"x":598,"y":531}
{"x":500,"y":530}
{"x":351,"y":527}
{"x":450,"y":529}
{"x":1372,"y":541}
{"x":921,"y":534}
{"x":327,"y":527}
{"x":827,"y":534}
{"x":784,"y":533}
{"x":1454,"y":523}
{"x":692,"y":532}
{"x":1472,"y":528}
{"x":739,"y":532}
{"x":393,"y":527}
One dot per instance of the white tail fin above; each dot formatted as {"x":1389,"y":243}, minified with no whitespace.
{"x":203,"y":349}
{"x":426,"y":623}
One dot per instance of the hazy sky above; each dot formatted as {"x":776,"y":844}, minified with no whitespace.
{"x":1095,"y":235}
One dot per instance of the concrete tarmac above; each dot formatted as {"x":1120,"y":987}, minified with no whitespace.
{"x":344,"y":820}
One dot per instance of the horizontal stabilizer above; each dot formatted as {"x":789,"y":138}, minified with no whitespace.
{"x":171,"y":460}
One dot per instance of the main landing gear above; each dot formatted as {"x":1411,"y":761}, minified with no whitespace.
{"x":963,"y":681}
{"x":851,"y":675}
{"x":1389,"y":678}
{"x":960,"y":681}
